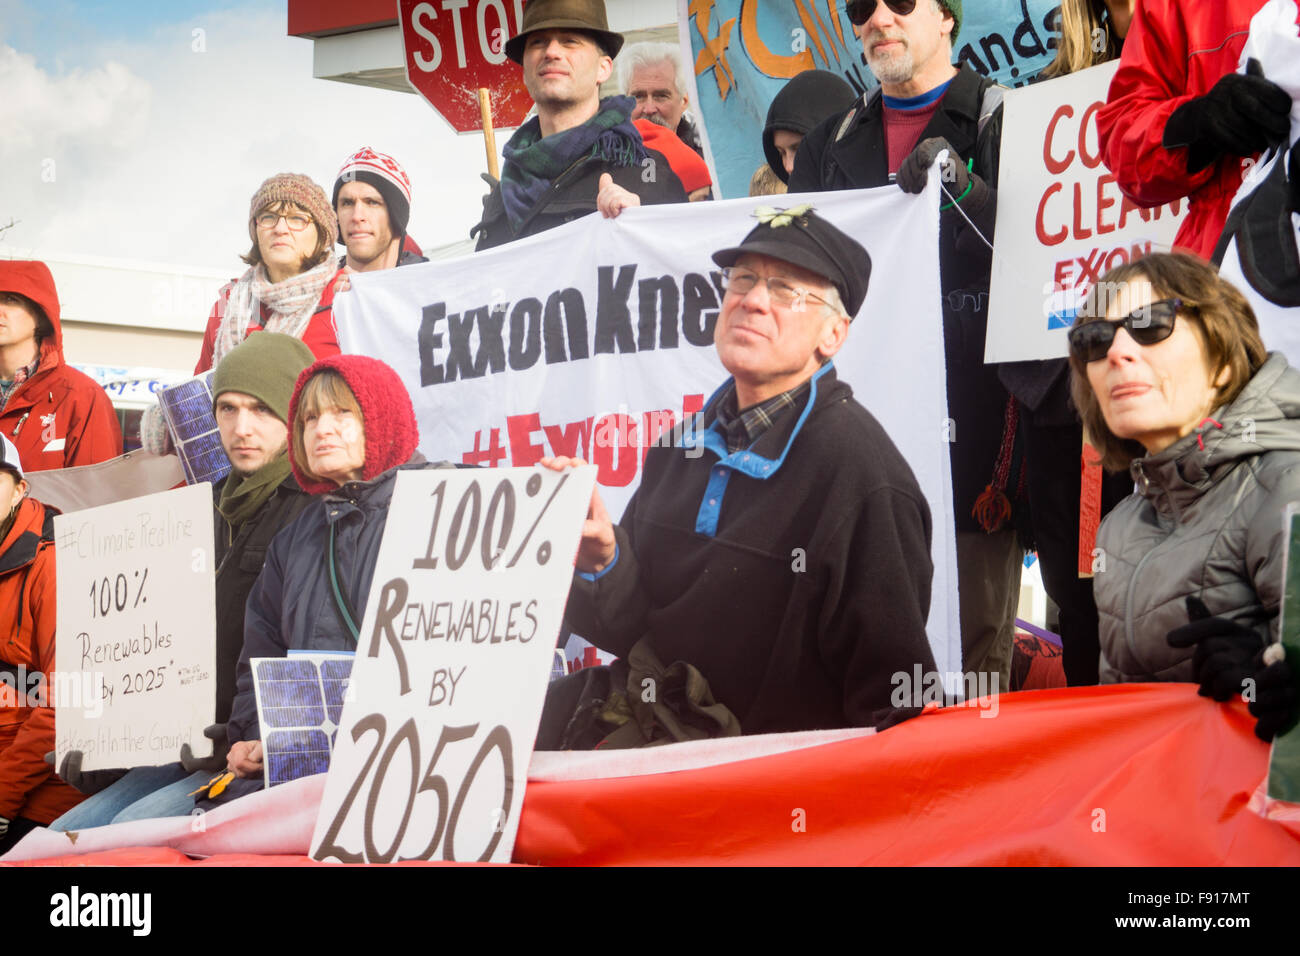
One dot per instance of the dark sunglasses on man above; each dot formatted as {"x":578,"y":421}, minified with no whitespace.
{"x":860,"y":11}
{"x":1148,"y":325}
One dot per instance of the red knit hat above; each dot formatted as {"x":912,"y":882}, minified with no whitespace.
{"x":386,"y":415}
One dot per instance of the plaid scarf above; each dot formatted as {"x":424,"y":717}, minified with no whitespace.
{"x":742,"y":427}
{"x":23,"y":374}
{"x":533,"y":161}
{"x":291,"y":303}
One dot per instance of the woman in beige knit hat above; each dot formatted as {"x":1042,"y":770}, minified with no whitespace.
{"x":288,"y":287}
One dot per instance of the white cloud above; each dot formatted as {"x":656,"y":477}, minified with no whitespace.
{"x":157,"y":151}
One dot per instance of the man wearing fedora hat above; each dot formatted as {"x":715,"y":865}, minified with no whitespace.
{"x":782,"y":545}
{"x":580,"y":153}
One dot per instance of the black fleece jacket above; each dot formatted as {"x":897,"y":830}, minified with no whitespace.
{"x":794,"y":574}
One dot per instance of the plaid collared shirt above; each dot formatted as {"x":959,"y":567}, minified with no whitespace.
{"x":22,"y":375}
{"x":742,"y":428}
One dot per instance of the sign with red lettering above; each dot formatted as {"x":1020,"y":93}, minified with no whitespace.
{"x":452,"y":48}
{"x":1065,"y":221}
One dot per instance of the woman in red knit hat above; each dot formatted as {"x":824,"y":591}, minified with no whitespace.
{"x":351,"y":429}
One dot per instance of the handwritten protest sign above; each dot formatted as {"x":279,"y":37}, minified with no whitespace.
{"x":1062,"y":220}
{"x":137,"y":623}
{"x":452,"y":665}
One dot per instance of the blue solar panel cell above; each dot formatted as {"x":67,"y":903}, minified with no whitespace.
{"x":188,"y":408}
{"x":296,"y":753}
{"x":300,"y":702}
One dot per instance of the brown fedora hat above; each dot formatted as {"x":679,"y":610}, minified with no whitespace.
{"x":587,"y":16}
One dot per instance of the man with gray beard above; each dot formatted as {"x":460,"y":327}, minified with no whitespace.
{"x":925,"y":106}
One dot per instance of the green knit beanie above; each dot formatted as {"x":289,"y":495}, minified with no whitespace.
{"x":265,"y":365}
{"x":954,"y":7}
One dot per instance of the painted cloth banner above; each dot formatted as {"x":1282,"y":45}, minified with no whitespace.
{"x":595,"y":338}
{"x":744,"y":51}
{"x":1065,"y":223}
{"x":1121,"y":775}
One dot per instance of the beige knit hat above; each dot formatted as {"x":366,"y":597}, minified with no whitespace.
{"x":299,"y":190}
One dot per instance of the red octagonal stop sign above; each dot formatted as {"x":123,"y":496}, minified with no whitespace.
{"x":454,"y":47}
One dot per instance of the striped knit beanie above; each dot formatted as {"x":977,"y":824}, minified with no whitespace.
{"x":385,"y":174}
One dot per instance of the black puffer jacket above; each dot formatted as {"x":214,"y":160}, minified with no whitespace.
{"x":292,"y":604}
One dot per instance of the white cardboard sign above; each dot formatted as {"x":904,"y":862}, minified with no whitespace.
{"x":136,"y":649}
{"x":452,"y":664}
{"x":1062,"y":220}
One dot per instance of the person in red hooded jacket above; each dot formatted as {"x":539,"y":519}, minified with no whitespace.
{"x":1179,"y":121}
{"x":56,"y":416}
{"x":30,"y":793}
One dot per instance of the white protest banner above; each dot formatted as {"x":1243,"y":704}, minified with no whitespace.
{"x":593,"y":339}
{"x":452,"y":665}
{"x":1062,"y":220}
{"x":133,"y":475}
{"x":137,"y":623}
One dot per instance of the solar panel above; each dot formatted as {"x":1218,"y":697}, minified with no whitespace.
{"x":187,"y":407}
{"x":299,"y":704}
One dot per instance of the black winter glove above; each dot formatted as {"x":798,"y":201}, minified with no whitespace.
{"x":220,"y":748}
{"x":92,"y":781}
{"x":915,"y":170}
{"x":1225,"y":650}
{"x":1240,"y":115}
{"x":1277,"y":699}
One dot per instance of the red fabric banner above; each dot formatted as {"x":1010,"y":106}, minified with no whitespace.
{"x":1128,"y":775}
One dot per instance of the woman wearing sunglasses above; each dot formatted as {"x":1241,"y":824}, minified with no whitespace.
{"x":1173,"y":384}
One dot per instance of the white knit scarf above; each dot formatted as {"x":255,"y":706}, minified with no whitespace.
{"x":291,"y":302}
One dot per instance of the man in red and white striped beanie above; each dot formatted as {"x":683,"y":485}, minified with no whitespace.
{"x":372,"y":198}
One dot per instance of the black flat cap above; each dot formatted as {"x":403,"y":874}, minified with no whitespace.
{"x":801,"y":237}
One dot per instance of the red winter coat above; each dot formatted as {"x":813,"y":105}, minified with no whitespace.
{"x":1174,"y":51}
{"x":59,"y":417}
{"x":320,"y":335}
{"x":28,"y":785}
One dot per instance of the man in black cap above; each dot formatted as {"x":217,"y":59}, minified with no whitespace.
{"x":580,"y":153}
{"x":782,"y":546}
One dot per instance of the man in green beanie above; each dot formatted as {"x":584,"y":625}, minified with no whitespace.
{"x":251,"y":389}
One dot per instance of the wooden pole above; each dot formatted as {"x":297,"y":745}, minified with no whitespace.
{"x":489,"y":138}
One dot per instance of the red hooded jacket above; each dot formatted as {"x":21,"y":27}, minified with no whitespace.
{"x":1174,"y":51}
{"x":28,"y":785}
{"x":59,"y":417}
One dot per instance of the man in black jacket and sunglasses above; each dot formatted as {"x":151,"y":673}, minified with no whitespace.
{"x":924,"y":106}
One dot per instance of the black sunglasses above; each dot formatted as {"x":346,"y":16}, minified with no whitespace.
{"x":860,"y":11}
{"x":1148,"y":325}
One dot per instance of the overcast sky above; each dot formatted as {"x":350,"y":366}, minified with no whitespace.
{"x":154,"y":150}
